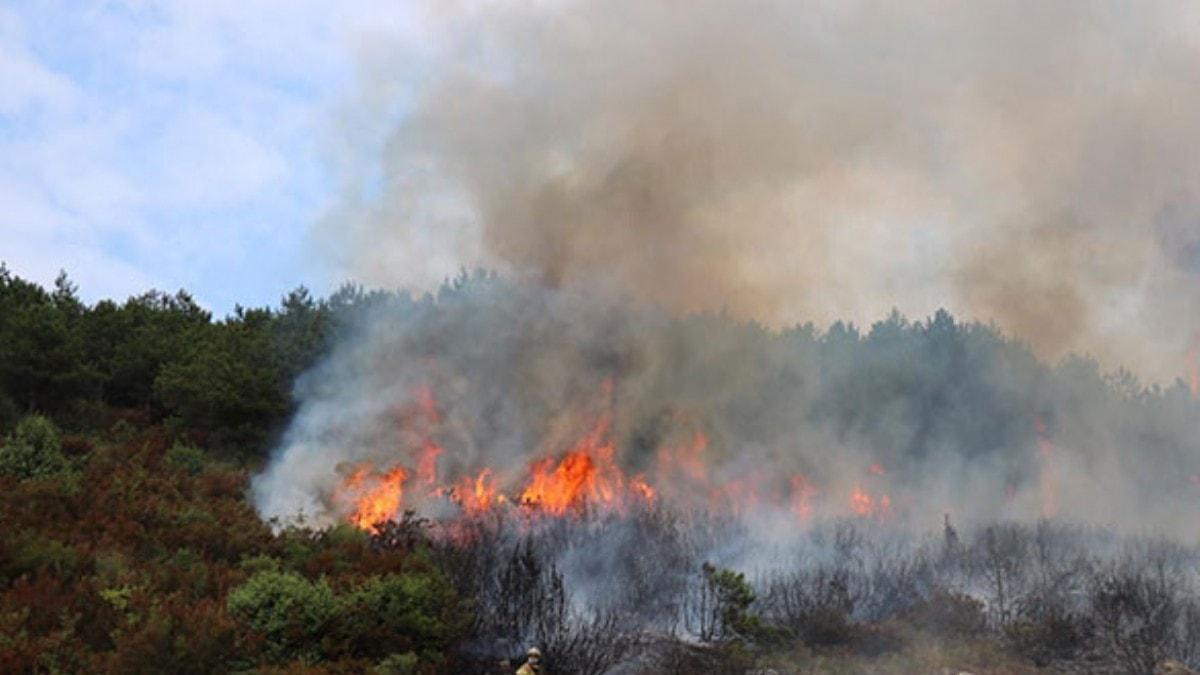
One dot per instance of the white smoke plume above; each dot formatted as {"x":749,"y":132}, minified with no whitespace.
{"x":900,"y":425}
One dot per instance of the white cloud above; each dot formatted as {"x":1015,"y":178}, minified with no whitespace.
{"x":163,"y":143}
{"x":28,"y":87}
{"x":204,"y":161}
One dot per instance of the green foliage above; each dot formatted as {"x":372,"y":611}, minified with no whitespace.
{"x":129,"y":344}
{"x":398,"y":664}
{"x":31,"y":553}
{"x":186,"y":458}
{"x":394,"y":617}
{"x":230,"y":383}
{"x":290,"y":611}
{"x":33,"y":449}
{"x":732,"y":597}
{"x":159,"y":353}
{"x":260,"y":563}
{"x":42,"y":363}
{"x":396,"y":613}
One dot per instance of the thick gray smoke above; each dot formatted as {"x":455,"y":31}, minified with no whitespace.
{"x":1031,"y":163}
{"x":938,"y":416}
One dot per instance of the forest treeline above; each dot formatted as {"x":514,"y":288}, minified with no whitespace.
{"x":163,"y":357}
{"x":229,"y":381}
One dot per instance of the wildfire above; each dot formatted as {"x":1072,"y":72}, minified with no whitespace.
{"x":427,"y":462}
{"x":802,"y":496}
{"x":640,"y":487}
{"x":1049,"y":479}
{"x":375,"y":497}
{"x":864,"y":505}
{"x":587,"y":476}
{"x":686,"y":461}
{"x":478,"y":495}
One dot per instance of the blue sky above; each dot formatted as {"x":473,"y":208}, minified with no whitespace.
{"x":176,"y":144}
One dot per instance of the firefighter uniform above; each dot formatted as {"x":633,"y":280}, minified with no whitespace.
{"x":532,"y":665}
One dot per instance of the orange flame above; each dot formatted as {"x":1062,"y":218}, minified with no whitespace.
{"x":375,"y":497}
{"x":802,"y":496}
{"x":587,"y":475}
{"x":640,"y":487}
{"x":861,"y":502}
{"x":574,"y":481}
{"x":427,"y":462}
{"x":864,"y":505}
{"x":478,"y":495}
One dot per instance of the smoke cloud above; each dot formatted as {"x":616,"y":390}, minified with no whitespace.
{"x":1026,"y":162}
{"x":937,"y":416}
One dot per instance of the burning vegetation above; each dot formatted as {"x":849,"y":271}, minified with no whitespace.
{"x":585,"y":403}
{"x":583,"y":479}
{"x":632,"y":490}
{"x":601,"y":452}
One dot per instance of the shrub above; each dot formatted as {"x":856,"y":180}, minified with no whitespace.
{"x":829,"y":627}
{"x":1049,"y":637}
{"x":950,"y":614}
{"x":395,"y":614}
{"x":186,"y":458}
{"x":290,"y":611}
{"x":1137,"y":615}
{"x":726,"y":598}
{"x":32,"y":553}
{"x":34,"y":448}
{"x":398,"y":664}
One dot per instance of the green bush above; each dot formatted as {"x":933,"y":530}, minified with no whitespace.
{"x":187,"y":458}
{"x":290,"y":611}
{"x":33,"y":449}
{"x":731,"y":597}
{"x":397,"y":613}
{"x":32,"y":552}
{"x":398,"y":664}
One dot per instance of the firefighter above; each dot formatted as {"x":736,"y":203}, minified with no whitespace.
{"x":533,"y":662}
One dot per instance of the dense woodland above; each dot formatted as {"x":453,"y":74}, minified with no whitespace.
{"x":128,"y":542}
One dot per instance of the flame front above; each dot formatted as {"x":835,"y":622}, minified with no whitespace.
{"x":478,"y":495}
{"x":585,"y":477}
{"x":865,"y":505}
{"x":802,"y":496}
{"x":375,"y":498}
